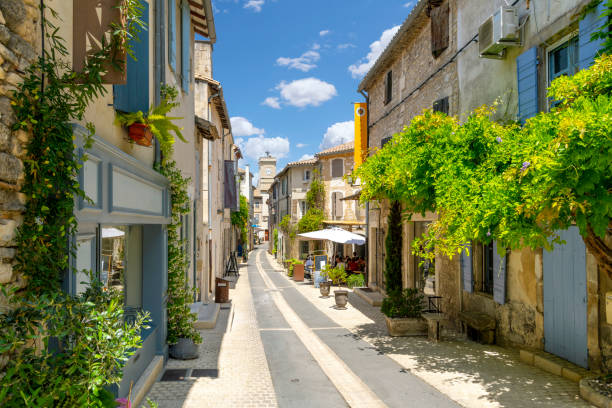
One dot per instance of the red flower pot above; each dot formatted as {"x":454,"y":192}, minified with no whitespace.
{"x":140,"y":134}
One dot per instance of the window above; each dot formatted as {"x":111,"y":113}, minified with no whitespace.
{"x":563,"y":60}
{"x":337,"y":205}
{"x":172,"y":34}
{"x":304,"y":249}
{"x":306,"y":175}
{"x":303,"y":207}
{"x":487,"y":269}
{"x":388,"y":87}
{"x":337,"y":166}
{"x":185,"y":46}
{"x":268,"y":172}
{"x":284,"y":187}
{"x":265,"y":218}
{"x":257,"y":204}
{"x":441,"y":105}
{"x":257,"y":219}
{"x":438,"y":14}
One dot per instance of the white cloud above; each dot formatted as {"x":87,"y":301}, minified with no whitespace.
{"x":316,"y":46}
{"x":409,"y":4}
{"x":338,"y":133}
{"x":304,"y":62}
{"x":272,"y":102}
{"x":346,"y":45}
{"x":306,"y":157}
{"x":376,"y":48}
{"x":258,"y":146}
{"x":307,"y":91}
{"x":254,"y":4}
{"x":323,"y":33}
{"x":300,"y":145}
{"x":242,"y":127}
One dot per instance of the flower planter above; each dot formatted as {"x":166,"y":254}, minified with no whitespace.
{"x":140,"y":134}
{"x":324,"y":288}
{"x":298,"y":272}
{"x":406,"y":326}
{"x":341,"y":296}
{"x":184,"y":349}
{"x":596,"y":392}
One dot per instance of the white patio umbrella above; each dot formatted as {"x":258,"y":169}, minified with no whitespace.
{"x":335,"y":234}
{"x":112,"y":233}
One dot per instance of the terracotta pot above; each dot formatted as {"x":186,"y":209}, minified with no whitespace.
{"x":406,"y":326}
{"x":341,"y":298}
{"x":140,"y":134}
{"x":324,"y":288}
{"x":298,"y":272}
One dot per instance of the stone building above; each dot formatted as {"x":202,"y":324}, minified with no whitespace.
{"x":288,"y":197}
{"x":551,"y":301}
{"x":267,"y":170}
{"x":342,"y":208}
{"x":416,"y":71}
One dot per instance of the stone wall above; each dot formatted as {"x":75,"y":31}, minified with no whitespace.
{"x":19,"y":44}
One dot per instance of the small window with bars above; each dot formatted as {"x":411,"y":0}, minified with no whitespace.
{"x":389,"y":87}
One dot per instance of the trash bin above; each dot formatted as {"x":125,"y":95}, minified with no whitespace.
{"x":221,"y":290}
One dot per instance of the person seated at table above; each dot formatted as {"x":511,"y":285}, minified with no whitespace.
{"x":355,"y":257}
{"x":353,"y":265}
{"x":309,"y":264}
{"x":361,"y":263}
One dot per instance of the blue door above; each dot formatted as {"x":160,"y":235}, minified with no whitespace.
{"x":565,"y":300}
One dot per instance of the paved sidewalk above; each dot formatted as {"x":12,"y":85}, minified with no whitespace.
{"x":472,"y":374}
{"x":235,"y":349}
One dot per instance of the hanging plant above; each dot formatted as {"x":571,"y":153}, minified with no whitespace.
{"x":142,"y":127}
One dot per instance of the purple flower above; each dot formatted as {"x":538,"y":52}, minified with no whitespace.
{"x":488,"y":233}
{"x":499,"y":139}
{"x":525,"y":165}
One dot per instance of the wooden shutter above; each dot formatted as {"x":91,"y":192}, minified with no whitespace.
{"x":439,"y":29}
{"x":592,"y":22}
{"x":466,"y":270}
{"x":441,"y":105}
{"x":339,"y":209}
{"x":185,"y":46}
{"x":172,"y":34}
{"x":134,"y":95}
{"x":527,"y":78}
{"x":499,"y":276}
{"x":337,"y":168}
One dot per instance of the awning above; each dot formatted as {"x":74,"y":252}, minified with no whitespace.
{"x":344,"y":222}
{"x":334,"y":234}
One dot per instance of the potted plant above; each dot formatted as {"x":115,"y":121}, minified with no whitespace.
{"x":355,"y":281}
{"x":142,"y":127}
{"x":298,"y":271}
{"x":325,"y":283}
{"x":402,"y":310}
{"x":338,"y":276}
{"x":289,"y":266}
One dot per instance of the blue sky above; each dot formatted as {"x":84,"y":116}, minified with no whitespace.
{"x":290,"y":69}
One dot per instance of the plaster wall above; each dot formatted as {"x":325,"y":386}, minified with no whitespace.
{"x":333,"y":185}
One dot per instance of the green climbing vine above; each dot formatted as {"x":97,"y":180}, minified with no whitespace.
{"x":315,"y":199}
{"x":240,"y":218}
{"x":180,"y":295}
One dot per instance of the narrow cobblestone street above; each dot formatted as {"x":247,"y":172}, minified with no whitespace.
{"x":278,"y":343}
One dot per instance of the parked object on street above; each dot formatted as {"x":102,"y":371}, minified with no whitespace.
{"x":184,"y":349}
{"x":221,"y":290}
{"x":402,"y":310}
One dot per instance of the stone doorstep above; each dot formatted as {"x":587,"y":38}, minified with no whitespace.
{"x":207,"y":314}
{"x":592,"y":396}
{"x":146,"y":380}
{"x":372,"y":297}
{"x":554,"y":365}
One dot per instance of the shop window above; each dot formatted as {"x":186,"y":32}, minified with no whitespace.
{"x":337,"y":168}
{"x":389,"y":87}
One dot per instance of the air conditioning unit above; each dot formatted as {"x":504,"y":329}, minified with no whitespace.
{"x":499,"y":32}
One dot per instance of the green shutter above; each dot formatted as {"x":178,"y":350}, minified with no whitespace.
{"x":134,"y":95}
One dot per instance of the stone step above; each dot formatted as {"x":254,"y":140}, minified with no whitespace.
{"x":207,"y":314}
{"x":554,"y":364}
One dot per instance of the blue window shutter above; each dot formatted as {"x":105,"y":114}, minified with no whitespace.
{"x":527,"y":76}
{"x":134,"y":95}
{"x":592,"y":22}
{"x":185,"y":46}
{"x":499,"y":276}
{"x":172,"y":34}
{"x":466,"y":270}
